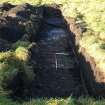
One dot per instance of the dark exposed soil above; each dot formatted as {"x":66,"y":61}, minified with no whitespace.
{"x":58,"y":73}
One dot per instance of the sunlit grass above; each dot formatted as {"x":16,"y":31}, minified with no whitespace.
{"x":11,"y":63}
{"x":34,"y":2}
{"x":54,"y":101}
{"x":93,"y":12}
{"x":20,"y":1}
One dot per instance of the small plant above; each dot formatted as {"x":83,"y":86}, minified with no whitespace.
{"x":22,"y":54}
{"x":102,"y":46}
{"x":24,"y":44}
{"x":14,"y":69}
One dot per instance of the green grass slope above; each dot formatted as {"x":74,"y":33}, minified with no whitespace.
{"x":54,"y":101}
{"x":90,"y":12}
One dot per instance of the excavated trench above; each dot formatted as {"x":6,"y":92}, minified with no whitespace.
{"x":57,"y":68}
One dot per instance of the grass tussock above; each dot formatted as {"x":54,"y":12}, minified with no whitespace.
{"x":12,"y":63}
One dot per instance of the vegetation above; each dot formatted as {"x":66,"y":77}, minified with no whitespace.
{"x":12,"y":63}
{"x":92,"y":11}
{"x":54,"y":101}
{"x":89,"y":14}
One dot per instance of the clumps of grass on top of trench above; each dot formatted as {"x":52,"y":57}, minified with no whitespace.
{"x":4,"y":100}
{"x":13,"y":63}
{"x":54,"y":101}
{"x":35,"y":2}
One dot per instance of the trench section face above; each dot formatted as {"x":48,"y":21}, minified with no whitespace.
{"x":58,"y":71}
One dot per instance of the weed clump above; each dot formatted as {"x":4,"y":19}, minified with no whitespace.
{"x":15,"y":71}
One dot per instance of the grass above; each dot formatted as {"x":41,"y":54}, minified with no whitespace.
{"x":54,"y":101}
{"x":12,"y":63}
{"x":91,"y":12}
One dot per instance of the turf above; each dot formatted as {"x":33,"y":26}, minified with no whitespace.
{"x":54,"y":101}
{"x":91,"y":12}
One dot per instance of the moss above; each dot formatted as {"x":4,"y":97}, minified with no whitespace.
{"x":22,"y":54}
{"x":15,"y":63}
{"x":5,"y":55}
